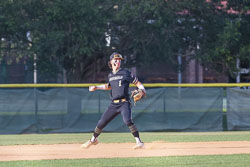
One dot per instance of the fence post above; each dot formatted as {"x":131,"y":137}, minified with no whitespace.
{"x":36,"y":109}
{"x":164,"y":100}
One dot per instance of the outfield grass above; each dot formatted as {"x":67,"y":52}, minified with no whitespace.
{"x":175,"y":161}
{"x":124,"y":137}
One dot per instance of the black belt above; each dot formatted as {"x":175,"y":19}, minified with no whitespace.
{"x":120,"y":100}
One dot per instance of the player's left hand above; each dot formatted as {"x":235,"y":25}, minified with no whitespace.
{"x":138,"y":94}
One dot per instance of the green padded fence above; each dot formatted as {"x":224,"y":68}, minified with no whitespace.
{"x":62,"y":108}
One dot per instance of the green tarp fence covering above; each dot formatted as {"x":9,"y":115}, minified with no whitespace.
{"x":66,"y":110}
{"x":238,"y":109}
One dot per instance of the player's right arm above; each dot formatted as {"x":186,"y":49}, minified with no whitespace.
{"x":100,"y":87}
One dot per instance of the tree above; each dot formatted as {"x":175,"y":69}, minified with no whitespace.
{"x":70,"y":34}
{"x":158,"y":30}
{"x":232,"y":42}
{"x":141,"y":30}
{"x":65,"y":34}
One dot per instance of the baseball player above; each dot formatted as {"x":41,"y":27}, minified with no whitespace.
{"x":119,"y":80}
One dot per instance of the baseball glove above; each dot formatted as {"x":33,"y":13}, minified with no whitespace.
{"x":137,"y":95}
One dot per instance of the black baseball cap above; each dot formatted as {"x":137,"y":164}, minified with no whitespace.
{"x":116,"y":55}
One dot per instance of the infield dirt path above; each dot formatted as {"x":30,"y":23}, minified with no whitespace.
{"x":112,"y":150}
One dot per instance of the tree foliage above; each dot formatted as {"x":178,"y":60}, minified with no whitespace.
{"x":70,"y":34}
{"x":63,"y":33}
{"x":232,"y":41}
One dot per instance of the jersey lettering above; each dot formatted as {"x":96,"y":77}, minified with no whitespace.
{"x":115,"y":78}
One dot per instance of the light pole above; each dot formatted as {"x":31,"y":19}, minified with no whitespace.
{"x":35,"y":82}
{"x":238,"y":68}
{"x":34,"y":58}
{"x":35,"y":70}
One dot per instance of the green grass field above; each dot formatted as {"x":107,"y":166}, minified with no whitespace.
{"x":173,"y":161}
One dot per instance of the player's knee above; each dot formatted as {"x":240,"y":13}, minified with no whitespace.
{"x":129,"y":123}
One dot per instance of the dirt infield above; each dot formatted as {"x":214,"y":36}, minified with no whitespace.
{"x":112,"y":150}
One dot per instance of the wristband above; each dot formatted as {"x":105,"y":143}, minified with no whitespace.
{"x":142,"y":87}
{"x":101,"y":86}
